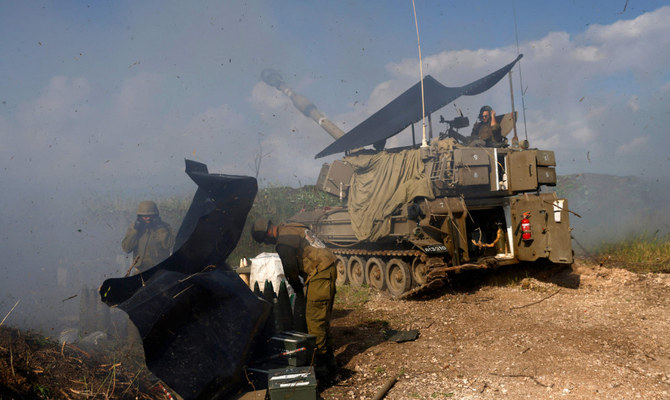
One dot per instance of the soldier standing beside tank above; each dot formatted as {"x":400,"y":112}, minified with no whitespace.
{"x":149,"y":238}
{"x":304,"y":255}
{"x":487,"y":128}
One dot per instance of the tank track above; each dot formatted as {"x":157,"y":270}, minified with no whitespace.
{"x":438,"y":276}
{"x":377,"y":253}
{"x":438,"y":269}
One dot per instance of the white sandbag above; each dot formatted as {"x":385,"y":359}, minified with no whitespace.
{"x":267,"y":266}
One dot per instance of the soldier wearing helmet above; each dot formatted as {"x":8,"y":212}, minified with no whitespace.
{"x":149,"y":238}
{"x":486,"y":130}
{"x":305,"y":256}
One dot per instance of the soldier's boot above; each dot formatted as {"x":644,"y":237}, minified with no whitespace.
{"x":331,"y":363}
{"x":326,"y":369}
{"x":322,"y":378}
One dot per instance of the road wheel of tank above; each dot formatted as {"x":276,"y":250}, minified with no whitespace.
{"x":356,"y":271}
{"x":341,"y":266}
{"x":375,"y":273}
{"x":419,"y":272}
{"x":398,"y":278}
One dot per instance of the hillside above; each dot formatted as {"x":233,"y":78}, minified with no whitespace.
{"x":613,"y":208}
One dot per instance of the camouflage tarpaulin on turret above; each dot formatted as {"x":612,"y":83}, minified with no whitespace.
{"x":382,"y":182}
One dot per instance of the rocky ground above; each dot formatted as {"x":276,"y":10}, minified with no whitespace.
{"x":583,"y":332}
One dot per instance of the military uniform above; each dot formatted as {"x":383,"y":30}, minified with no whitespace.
{"x":152,"y":243}
{"x":486,"y":133}
{"x":304,"y":255}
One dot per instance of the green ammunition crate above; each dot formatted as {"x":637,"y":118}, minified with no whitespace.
{"x":293,"y":340}
{"x":292,"y":383}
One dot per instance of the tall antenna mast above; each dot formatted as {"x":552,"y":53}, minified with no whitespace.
{"x":515,"y":139}
{"x":523,"y":92}
{"x":424,"y":142}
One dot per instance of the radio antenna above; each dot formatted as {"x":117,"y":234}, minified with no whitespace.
{"x":523,"y":92}
{"x":424,"y":143}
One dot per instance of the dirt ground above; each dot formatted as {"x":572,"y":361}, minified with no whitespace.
{"x":583,"y":332}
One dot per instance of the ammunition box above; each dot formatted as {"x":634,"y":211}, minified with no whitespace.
{"x":334,"y":178}
{"x":545,"y":158}
{"x":470,"y":176}
{"x":546,"y":176}
{"x":293,"y":340}
{"x":295,"y":383}
{"x":471,"y":156}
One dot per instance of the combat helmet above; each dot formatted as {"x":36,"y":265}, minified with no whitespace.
{"x":484,"y":108}
{"x":147,"y":207}
{"x":259,"y":230}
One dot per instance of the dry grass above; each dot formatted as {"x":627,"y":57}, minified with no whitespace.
{"x":642,"y":253}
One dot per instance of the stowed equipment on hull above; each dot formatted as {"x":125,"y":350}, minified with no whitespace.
{"x":415,"y":214}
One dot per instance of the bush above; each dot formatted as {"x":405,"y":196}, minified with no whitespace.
{"x":641,"y":253}
{"x":277,"y":204}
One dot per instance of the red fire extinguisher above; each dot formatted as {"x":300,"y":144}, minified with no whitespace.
{"x":525,"y":227}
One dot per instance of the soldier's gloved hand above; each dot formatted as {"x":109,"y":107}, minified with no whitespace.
{"x":297,"y":287}
{"x":299,"y":296}
{"x":139,"y":224}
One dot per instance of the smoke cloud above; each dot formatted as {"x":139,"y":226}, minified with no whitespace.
{"x":102,"y":103}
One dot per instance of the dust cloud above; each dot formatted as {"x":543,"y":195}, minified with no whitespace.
{"x":100,"y":105}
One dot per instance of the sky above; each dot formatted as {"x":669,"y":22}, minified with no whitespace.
{"x":114,"y":95}
{"x":107,"y":98}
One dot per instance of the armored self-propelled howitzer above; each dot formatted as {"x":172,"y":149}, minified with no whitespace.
{"x":415,"y":214}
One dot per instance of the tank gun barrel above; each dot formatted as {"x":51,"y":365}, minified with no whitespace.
{"x":272,"y":78}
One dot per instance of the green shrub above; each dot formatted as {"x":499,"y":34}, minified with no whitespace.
{"x":277,"y":204}
{"x":349,"y":297}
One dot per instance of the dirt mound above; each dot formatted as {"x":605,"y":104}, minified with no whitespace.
{"x":583,"y":332}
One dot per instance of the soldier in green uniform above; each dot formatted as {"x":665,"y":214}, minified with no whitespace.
{"x":487,"y":129}
{"x":303,"y":255}
{"x":149,"y":238}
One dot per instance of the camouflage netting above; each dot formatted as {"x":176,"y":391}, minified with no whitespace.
{"x":382,"y":182}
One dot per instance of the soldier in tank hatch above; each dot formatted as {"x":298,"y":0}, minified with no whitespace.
{"x":487,"y":128}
